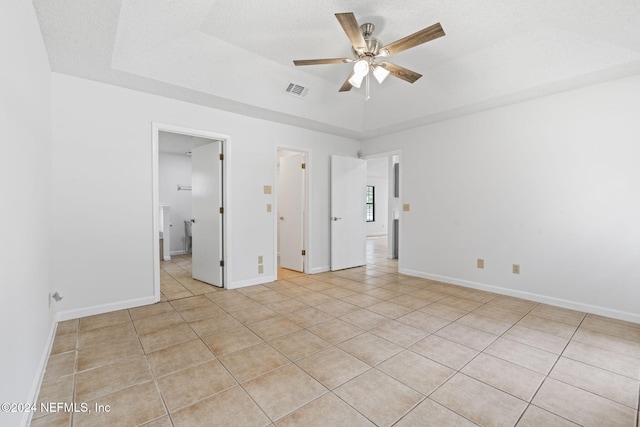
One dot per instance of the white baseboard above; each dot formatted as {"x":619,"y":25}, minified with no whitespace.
{"x":251,"y":282}
{"x":37,"y":381}
{"x":103,"y":308}
{"x":322,"y":269}
{"x":183,"y":252}
{"x":559,"y":302}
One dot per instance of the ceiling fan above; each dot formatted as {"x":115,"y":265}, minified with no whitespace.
{"x":367,"y":50}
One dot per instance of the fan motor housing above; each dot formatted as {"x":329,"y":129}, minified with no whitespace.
{"x":373,"y":44}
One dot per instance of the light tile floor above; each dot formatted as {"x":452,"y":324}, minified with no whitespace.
{"x":359,"y":347}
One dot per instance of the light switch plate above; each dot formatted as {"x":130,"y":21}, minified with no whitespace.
{"x":268,"y":207}
{"x":267,"y":189}
{"x":406,"y":207}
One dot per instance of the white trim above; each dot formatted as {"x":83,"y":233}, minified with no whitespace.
{"x":322,"y":269}
{"x":182,"y":252}
{"x":103,"y":308}
{"x":252,"y":282}
{"x":155,"y":202}
{"x":156,"y":128}
{"x":37,"y":382}
{"x":558,"y":302}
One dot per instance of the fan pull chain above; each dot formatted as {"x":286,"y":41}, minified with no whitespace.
{"x":367,"y":96}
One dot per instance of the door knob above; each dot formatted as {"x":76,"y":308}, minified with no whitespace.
{"x":281,"y":218}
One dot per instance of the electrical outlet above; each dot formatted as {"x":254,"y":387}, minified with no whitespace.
{"x":516,"y":269}
{"x":480,"y":263}
{"x":268,"y":207}
{"x":260,"y":259}
{"x":260,"y":269}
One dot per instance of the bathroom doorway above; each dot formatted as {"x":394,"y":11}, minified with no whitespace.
{"x":184,"y":188}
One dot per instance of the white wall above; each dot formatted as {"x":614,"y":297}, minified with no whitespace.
{"x":551,"y":184}
{"x":174,"y":170}
{"x":95,"y":209}
{"x":25,"y":174}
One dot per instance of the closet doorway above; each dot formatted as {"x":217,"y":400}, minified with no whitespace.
{"x":291,"y":209}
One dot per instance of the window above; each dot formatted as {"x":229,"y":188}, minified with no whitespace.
{"x":371,"y":202}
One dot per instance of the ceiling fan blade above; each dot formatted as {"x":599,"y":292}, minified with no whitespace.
{"x":299,"y":62}
{"x":430,"y":33}
{"x":352,"y":29}
{"x":346,"y":86}
{"x":400,"y":72}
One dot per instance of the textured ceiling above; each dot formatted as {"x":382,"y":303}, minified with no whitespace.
{"x":237,"y":55}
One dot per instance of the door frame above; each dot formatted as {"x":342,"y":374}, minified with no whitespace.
{"x":306,"y":217}
{"x":389,"y":155}
{"x":156,"y":128}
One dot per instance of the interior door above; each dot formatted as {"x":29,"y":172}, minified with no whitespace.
{"x":348,"y":207}
{"x":291,"y":212}
{"x":206,"y":204}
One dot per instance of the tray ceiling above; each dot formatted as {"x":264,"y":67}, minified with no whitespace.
{"x":237,"y":56}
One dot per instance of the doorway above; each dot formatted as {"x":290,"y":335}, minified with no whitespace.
{"x":195,"y":182}
{"x":291,"y":182}
{"x":384,"y":174}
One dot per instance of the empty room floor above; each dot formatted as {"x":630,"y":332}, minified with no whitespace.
{"x":359,"y":347}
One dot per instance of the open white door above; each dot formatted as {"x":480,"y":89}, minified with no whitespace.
{"x":348,"y":226}
{"x":291,"y":212}
{"x":206,"y":184}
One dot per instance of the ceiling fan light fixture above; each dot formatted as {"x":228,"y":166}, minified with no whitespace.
{"x":356,"y":80}
{"x":380,"y":73}
{"x":361,"y":68}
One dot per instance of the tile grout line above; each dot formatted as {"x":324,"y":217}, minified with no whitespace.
{"x":153,"y":375}
{"x":239,"y":383}
{"x":638,"y":408}
{"x":75,"y":369}
{"x":332,"y":345}
{"x":547,"y":376}
{"x":533,"y":396}
{"x":594,"y":366}
{"x":482,"y":351}
{"x":169,"y":413}
{"x":360,"y":277}
{"x":459,"y":371}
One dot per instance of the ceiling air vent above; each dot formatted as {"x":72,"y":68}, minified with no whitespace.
{"x":296,"y":90}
